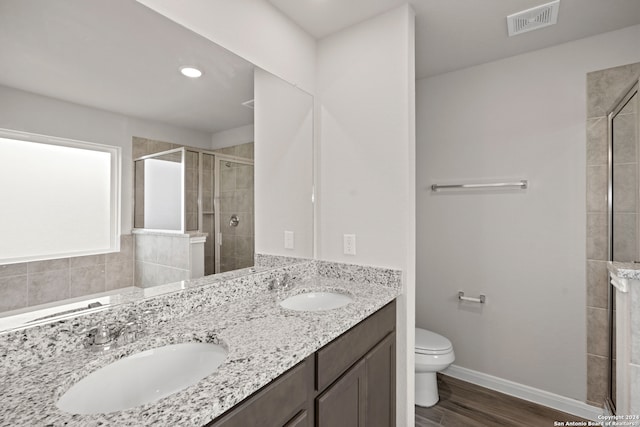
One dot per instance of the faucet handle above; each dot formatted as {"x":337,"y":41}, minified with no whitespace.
{"x":283,"y":282}
{"x":96,"y":334}
{"x":102,"y":335}
{"x":138,"y":318}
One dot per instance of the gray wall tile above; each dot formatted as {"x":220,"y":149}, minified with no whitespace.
{"x":146,"y":247}
{"x":597,"y":284}
{"x":169,"y":275}
{"x":48,"y":286}
{"x":86,"y":280}
{"x":245,"y":150}
{"x":597,"y":332}
{"x":67,"y":277}
{"x":13,"y":269}
{"x":597,"y":143}
{"x":119,"y":275}
{"x":597,"y":237}
{"x":596,"y":379}
{"x":180,"y":250}
{"x":625,"y":188}
{"x":624,"y":237}
{"x":597,"y":184}
{"x":624,"y":137}
{"x":86,"y":261}
{"x":13,"y":292}
{"x":604,"y":86}
{"x":48,"y":265}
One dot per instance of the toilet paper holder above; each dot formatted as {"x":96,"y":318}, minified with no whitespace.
{"x":481,"y":299}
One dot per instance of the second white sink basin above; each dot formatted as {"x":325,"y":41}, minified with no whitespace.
{"x":316,"y":301}
{"x":142,"y":378}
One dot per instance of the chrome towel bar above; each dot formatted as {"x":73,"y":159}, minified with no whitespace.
{"x":481,"y":300}
{"x":523,"y":184}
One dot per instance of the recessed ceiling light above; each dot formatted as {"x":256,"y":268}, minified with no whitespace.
{"x":192,"y":72}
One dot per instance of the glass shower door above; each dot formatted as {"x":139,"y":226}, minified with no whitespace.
{"x":234,"y":222}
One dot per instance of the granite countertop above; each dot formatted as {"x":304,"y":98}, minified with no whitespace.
{"x":264,"y":340}
{"x":624,"y":270}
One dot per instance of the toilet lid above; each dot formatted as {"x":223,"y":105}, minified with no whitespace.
{"x":428,"y":342}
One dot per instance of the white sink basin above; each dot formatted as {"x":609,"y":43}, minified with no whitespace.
{"x":142,"y":378}
{"x":316,"y":301}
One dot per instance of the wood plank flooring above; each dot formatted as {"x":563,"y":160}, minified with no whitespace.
{"x":463,"y":404}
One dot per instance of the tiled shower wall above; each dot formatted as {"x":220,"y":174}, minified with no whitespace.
{"x":603,"y":88}
{"x":237,"y":198}
{"x":39,"y":282}
{"x":161,"y":258}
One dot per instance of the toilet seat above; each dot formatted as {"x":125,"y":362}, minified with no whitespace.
{"x":430,"y":343}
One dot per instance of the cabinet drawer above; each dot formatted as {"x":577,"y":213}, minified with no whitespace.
{"x":276,"y":403}
{"x":336,"y":357}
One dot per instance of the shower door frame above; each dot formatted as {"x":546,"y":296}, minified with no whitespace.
{"x":618,"y":106}
{"x":217,"y":158}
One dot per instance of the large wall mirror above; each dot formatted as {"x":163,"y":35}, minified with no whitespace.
{"x":109,"y":73}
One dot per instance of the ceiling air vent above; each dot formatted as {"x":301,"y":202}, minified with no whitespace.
{"x":534,"y":18}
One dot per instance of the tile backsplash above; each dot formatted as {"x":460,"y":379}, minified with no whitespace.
{"x":39,"y":282}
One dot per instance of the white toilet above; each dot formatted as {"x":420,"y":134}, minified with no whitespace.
{"x":433,"y":354}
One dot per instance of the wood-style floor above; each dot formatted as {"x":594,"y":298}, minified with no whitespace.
{"x":468,"y":405}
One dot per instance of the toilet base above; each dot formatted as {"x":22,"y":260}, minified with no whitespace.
{"x":426,"y":389}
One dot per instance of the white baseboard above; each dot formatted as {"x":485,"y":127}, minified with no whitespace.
{"x":541,"y":397}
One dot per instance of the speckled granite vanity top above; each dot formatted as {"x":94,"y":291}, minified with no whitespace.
{"x":625,"y":270}
{"x":263,"y":339}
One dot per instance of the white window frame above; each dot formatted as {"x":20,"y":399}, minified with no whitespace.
{"x":114,"y":190}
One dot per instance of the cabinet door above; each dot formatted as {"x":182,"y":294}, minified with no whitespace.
{"x":338,"y":356}
{"x":381,"y":383}
{"x":343,"y":404}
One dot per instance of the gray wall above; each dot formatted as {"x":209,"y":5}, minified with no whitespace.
{"x":521,"y":117}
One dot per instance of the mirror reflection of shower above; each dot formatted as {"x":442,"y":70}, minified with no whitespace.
{"x":232,"y":183}
{"x":190,"y":190}
{"x":624,"y":201}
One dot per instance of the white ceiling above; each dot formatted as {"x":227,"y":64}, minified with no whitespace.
{"x":455,"y":34}
{"x":119,"y":56}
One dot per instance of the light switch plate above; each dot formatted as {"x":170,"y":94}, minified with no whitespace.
{"x":349,"y":244}
{"x":288,"y":239}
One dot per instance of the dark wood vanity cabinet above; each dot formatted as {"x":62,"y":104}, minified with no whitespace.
{"x":277,"y":404}
{"x":355,"y":375}
{"x":350,"y":382}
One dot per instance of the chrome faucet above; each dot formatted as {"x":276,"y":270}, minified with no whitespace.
{"x":281,"y":283}
{"x":102,"y":337}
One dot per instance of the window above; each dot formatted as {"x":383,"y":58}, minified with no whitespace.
{"x":58,"y":197}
